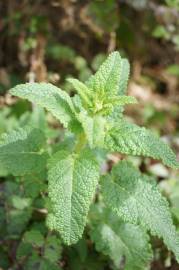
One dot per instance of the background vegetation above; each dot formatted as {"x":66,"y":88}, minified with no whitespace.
{"x":51,"y":40}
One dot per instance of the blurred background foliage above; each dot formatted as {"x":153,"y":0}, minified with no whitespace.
{"x":50,"y":41}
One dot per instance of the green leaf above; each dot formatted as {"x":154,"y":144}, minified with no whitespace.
{"x":20,"y":202}
{"x":161,"y":32}
{"x":37,"y":262}
{"x":46,"y":265}
{"x":34,"y":185}
{"x":20,"y":151}
{"x":106,"y":79}
{"x":124,"y":76}
{"x":122,"y":100}
{"x":34,"y":237}
{"x":136,"y":199}
{"x":23,"y":250}
{"x":72,"y":184}
{"x":53,"y":249}
{"x":48,"y":96}
{"x":131,"y":139}
{"x":17,"y":221}
{"x":118,"y":239}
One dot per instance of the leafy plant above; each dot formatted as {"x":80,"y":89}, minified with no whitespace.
{"x":129,"y":204}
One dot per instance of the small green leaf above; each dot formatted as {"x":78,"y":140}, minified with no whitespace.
{"x":23,"y":250}
{"x":131,"y":139}
{"x":17,"y":221}
{"x":72,"y":184}
{"x":37,"y":262}
{"x":20,"y":203}
{"x":160,"y":32}
{"x":53,"y":249}
{"x":136,"y":199}
{"x":34,"y":237}
{"x":48,"y":96}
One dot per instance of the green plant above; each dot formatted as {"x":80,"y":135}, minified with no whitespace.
{"x":128,"y":203}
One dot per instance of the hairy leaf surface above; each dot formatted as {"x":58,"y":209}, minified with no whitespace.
{"x":128,"y":241}
{"x":131,"y":139}
{"x":106,"y":79}
{"x":122,"y":100}
{"x":136,"y":199}
{"x":120,"y":241}
{"x":48,"y":96}
{"x":20,"y":151}
{"x":72,"y":184}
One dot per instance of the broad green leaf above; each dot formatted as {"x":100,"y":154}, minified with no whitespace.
{"x":131,"y":139}
{"x":48,"y":96}
{"x":20,"y":151}
{"x":136,"y":199}
{"x":72,"y":183}
{"x":94,"y":128}
{"x":121,"y":240}
{"x":124,"y":76}
{"x":106,"y":79}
